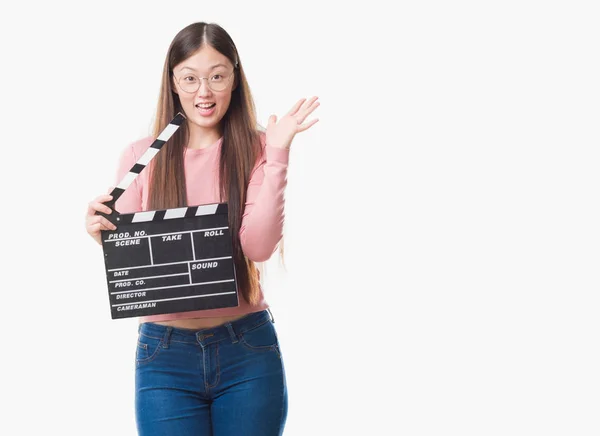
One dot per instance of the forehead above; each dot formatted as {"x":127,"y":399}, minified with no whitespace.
{"x":204,"y":60}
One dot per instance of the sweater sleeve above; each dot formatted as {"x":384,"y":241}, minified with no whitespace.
{"x":262,"y":221}
{"x":131,"y":200}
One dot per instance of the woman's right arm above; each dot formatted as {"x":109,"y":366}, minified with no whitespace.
{"x":129,"y":202}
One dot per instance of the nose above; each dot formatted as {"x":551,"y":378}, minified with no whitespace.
{"x":204,"y":89}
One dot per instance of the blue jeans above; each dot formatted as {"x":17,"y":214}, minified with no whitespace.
{"x":221,"y":381}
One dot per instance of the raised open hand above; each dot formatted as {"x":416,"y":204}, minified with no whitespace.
{"x":280,"y":134}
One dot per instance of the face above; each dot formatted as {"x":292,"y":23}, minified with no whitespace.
{"x":212,"y":73}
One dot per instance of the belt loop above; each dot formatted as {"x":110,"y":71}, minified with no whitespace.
{"x":167,"y":337}
{"x":234,"y":338}
{"x":271,"y":315}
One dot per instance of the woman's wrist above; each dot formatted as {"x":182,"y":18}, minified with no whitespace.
{"x":277,"y":154}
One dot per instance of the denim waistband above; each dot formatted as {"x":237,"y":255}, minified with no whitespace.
{"x":230,"y":330}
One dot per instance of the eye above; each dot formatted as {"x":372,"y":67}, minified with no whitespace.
{"x":216,"y":78}
{"x":190,"y":79}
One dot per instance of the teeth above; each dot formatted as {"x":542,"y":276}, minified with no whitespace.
{"x":205,"y":106}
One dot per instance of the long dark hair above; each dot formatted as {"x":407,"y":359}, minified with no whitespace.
{"x":240,"y":147}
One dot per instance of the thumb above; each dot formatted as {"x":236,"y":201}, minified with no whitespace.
{"x":112,"y":201}
{"x":272,"y":120}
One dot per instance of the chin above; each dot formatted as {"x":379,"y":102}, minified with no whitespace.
{"x":205,"y":124}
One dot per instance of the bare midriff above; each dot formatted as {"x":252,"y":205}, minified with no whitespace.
{"x":199,"y":323}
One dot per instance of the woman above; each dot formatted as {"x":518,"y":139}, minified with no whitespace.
{"x":216,"y":371}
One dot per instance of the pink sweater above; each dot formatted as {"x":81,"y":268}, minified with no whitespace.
{"x":262,"y":222}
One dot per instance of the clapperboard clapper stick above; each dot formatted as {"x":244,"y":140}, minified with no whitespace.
{"x":171,"y":260}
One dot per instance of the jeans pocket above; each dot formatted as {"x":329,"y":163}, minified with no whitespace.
{"x":142,"y":351}
{"x":147,"y":348}
{"x":261,"y":338}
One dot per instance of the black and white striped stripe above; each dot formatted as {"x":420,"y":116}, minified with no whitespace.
{"x":143,"y":161}
{"x":168,"y":214}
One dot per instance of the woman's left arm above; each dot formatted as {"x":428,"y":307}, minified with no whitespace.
{"x":262,"y":222}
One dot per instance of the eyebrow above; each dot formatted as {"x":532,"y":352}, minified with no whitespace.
{"x":211,"y":68}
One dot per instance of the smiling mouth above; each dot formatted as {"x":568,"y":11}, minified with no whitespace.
{"x":205,"y":106}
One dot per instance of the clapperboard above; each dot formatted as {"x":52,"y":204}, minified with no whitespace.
{"x":172,"y":260}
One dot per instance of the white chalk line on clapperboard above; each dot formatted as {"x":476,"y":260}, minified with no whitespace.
{"x":173,"y":299}
{"x":165,"y":264}
{"x":148,"y":216}
{"x":164,"y":234}
{"x":173,"y":286}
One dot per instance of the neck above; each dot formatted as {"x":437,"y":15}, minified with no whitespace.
{"x":202,"y":137}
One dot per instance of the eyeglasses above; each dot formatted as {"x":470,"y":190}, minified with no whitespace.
{"x":217,"y":82}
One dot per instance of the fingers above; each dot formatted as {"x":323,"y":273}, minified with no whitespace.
{"x":303,"y":127}
{"x":97,"y":222}
{"x":94,"y":229}
{"x":295,"y":108}
{"x":97,"y":206}
{"x":311,"y":102}
{"x":307,"y":109}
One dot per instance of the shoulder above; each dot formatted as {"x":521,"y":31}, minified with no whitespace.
{"x":139,"y":146}
{"x":134,"y":150}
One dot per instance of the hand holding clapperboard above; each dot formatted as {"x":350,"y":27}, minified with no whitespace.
{"x":172,"y":260}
